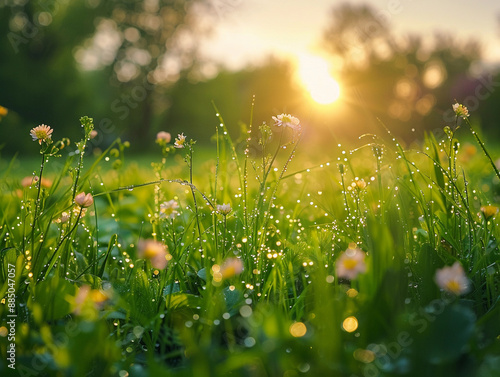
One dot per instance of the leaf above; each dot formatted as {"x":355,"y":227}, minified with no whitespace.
{"x":447,"y":337}
{"x":176,"y":300}
{"x":232,"y":298}
{"x":202,"y":274}
{"x":52,"y":296}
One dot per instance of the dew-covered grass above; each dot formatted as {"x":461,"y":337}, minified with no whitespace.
{"x":254,"y":259}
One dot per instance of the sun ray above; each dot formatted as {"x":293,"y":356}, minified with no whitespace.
{"x":314,"y":75}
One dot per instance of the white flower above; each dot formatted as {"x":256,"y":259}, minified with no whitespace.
{"x":224,"y":208}
{"x":452,"y":279}
{"x":169,"y":209}
{"x":460,"y":110}
{"x":350,"y":263}
{"x":287,"y":120}
{"x":179,"y":141}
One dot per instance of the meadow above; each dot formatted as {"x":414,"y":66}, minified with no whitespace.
{"x":261,"y":259}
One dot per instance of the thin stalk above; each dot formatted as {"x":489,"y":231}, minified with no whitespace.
{"x":481,"y":144}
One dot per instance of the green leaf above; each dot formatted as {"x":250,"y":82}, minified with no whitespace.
{"x":202,"y":274}
{"x":176,"y":300}
{"x":448,"y":335}
{"x":53,"y":296}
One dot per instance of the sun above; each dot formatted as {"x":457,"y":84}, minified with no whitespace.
{"x":315,"y":77}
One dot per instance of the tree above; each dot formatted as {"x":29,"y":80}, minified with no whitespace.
{"x":126,"y":49}
{"x":397,"y":79}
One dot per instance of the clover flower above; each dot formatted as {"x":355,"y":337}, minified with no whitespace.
{"x":84,"y":200}
{"x":350,"y":263}
{"x":179,"y":141}
{"x":41,"y":133}
{"x":224,"y":209}
{"x":452,"y":279}
{"x":163,"y":136}
{"x":287,"y":120}
{"x":169,"y":209}
{"x":460,"y":110}
{"x":154,"y":251}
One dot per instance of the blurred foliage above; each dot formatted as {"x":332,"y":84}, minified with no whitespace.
{"x":135,"y":66}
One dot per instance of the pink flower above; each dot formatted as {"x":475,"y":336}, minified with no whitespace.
{"x":163,"y":136}
{"x":231,"y":267}
{"x":350,"y":263}
{"x":452,"y":279}
{"x":84,"y":200}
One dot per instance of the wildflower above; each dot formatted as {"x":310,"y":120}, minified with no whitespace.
{"x":452,"y":279}
{"x":163,"y":136}
{"x":92,"y":134}
{"x":360,"y":184}
{"x":30,"y":180}
{"x":154,"y":251}
{"x":41,"y":133}
{"x":350,"y":263}
{"x":287,"y":120}
{"x":169,"y":209}
{"x":224,"y":209}
{"x":88,"y":300}
{"x":3,"y":112}
{"x":231,"y":267}
{"x":180,"y":140}
{"x":79,"y":211}
{"x":460,"y":110}
{"x":489,"y":211}
{"x":84,"y":200}
{"x":63,"y":219}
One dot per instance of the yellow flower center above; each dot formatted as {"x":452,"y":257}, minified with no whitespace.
{"x":453,"y":286}
{"x":350,"y":264}
{"x":150,"y":252}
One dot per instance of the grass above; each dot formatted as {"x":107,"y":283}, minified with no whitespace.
{"x":316,"y":268}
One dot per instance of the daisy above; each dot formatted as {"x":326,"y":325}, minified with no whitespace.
{"x":224,"y":209}
{"x":169,"y":209}
{"x":452,"y":279}
{"x":350,"y":263}
{"x":180,"y":140}
{"x":287,"y":120}
{"x":41,"y":133}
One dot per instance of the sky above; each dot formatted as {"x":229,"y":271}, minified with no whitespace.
{"x":248,"y":31}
